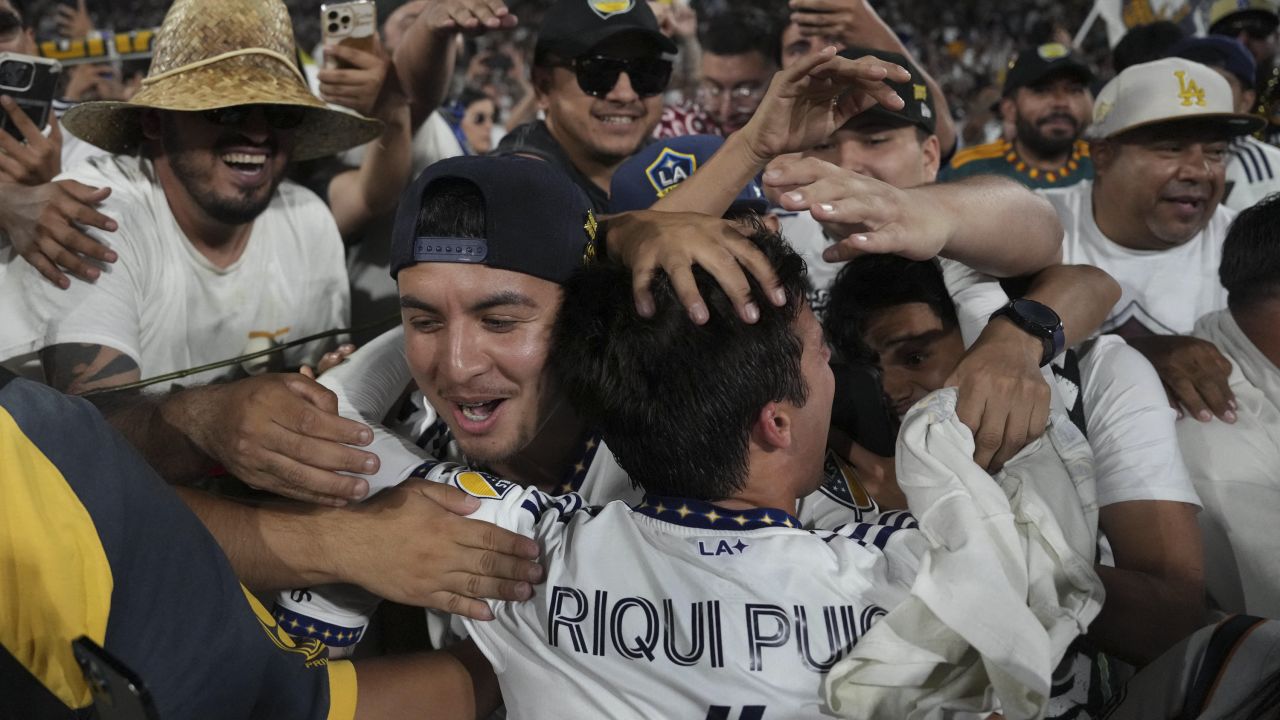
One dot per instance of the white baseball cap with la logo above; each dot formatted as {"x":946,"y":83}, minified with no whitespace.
{"x":1167,"y":90}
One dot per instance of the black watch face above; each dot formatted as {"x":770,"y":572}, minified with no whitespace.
{"x":1039,"y":314}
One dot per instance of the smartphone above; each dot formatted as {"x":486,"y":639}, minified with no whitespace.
{"x":859,"y":409}
{"x":118,"y":693}
{"x":31,"y":82}
{"x":349,"y":23}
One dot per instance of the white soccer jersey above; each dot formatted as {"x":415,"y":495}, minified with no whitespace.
{"x":679,"y":608}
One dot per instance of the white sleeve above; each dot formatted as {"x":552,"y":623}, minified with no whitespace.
{"x":976,"y":296}
{"x":367,"y":385}
{"x":106,"y":312}
{"x":1131,"y":427}
{"x":338,"y":615}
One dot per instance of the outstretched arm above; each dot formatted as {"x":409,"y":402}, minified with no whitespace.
{"x":425,"y":57}
{"x":803,"y":106}
{"x":456,"y":683}
{"x":409,"y":544}
{"x":991,"y":224}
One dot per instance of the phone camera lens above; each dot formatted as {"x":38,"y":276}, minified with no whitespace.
{"x":333,"y":14}
{"x":16,"y":74}
{"x":346,"y":19}
{"x":333,"y":27}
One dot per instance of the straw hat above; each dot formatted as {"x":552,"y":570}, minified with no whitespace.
{"x":210,"y":55}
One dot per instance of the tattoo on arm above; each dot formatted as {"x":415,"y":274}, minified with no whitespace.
{"x":77,"y":368}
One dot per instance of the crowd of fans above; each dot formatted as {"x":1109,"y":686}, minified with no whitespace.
{"x":714,"y":359}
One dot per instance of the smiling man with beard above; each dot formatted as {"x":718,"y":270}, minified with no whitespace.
{"x":1046,"y":96}
{"x":218,"y":254}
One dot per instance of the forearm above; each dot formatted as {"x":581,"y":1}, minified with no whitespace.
{"x":1082,"y":295}
{"x":998,"y":227}
{"x":424,"y":64}
{"x":373,"y":189}
{"x":875,"y":33}
{"x":524,"y":111}
{"x":1144,"y":615}
{"x":152,"y":423}
{"x":452,"y":684}
{"x":270,"y":548}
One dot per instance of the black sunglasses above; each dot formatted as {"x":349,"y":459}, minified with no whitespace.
{"x":598,"y":74}
{"x":279,"y":117}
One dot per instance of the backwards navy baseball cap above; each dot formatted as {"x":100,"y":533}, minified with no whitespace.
{"x":661,"y":166}
{"x":570,"y":28}
{"x":536,"y":220}
{"x":918,"y":108}
{"x":1219,"y":51}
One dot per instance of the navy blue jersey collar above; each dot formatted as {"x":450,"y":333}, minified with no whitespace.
{"x":577,"y":472}
{"x":704,"y":515}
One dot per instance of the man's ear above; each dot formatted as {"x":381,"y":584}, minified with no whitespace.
{"x":151,"y":124}
{"x":541,"y":79}
{"x":1102,"y":153}
{"x":931,"y":155}
{"x":772,"y":429}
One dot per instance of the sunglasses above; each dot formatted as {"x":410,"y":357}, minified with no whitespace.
{"x":279,"y":117}
{"x":597,"y":74}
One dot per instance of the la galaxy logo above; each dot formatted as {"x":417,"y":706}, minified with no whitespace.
{"x":1188,"y":90}
{"x":608,"y":8}
{"x":669,"y":169}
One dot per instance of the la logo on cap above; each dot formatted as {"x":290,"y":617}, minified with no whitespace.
{"x":669,"y":169}
{"x":1189,"y":92}
{"x":608,"y":8}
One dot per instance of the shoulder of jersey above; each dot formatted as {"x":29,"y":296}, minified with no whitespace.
{"x":988,"y":151}
{"x":1257,"y":159}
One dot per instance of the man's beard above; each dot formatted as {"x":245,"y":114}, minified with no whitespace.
{"x":239,"y":209}
{"x":1042,"y":145}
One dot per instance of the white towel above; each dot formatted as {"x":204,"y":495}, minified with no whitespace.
{"x":1007,"y":583}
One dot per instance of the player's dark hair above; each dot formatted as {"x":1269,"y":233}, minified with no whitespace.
{"x":676,"y":401}
{"x":451,"y":207}
{"x":742,"y":31}
{"x":1250,"y":269}
{"x":1145,"y":43}
{"x":873,"y":283}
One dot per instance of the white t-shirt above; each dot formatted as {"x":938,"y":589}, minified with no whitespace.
{"x":679,"y":608}
{"x":1236,"y":469}
{"x":1253,"y":172}
{"x":167,"y":307}
{"x":1165,"y":291}
{"x":1130,"y":424}
{"x":806,"y":236}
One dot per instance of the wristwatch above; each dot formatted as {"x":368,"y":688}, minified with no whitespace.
{"x":1038,"y":320}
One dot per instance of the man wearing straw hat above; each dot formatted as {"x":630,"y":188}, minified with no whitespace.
{"x":217,"y":254}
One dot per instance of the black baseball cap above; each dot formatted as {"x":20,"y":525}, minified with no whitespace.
{"x":572,"y":27}
{"x":918,"y":109}
{"x":1033,"y":65}
{"x":536,"y":220}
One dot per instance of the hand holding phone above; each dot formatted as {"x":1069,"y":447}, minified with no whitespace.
{"x":352,"y":24}
{"x":31,"y":82}
{"x":27,"y":156}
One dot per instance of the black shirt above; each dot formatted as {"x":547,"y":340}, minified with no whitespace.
{"x":533,"y":138}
